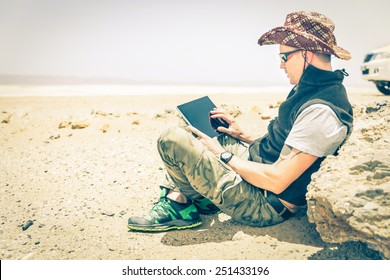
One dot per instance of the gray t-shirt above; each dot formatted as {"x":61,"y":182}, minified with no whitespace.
{"x":317,"y":131}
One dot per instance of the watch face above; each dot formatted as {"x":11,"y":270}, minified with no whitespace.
{"x":226,"y":156}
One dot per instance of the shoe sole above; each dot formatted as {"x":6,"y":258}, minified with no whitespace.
{"x":159,"y":228}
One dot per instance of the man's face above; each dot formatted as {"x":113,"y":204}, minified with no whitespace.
{"x":294,"y":65}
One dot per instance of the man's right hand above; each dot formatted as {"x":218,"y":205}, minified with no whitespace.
{"x":234,"y":129}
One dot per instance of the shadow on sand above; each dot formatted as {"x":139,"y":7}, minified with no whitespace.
{"x":299,"y":230}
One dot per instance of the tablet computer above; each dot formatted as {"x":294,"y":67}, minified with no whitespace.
{"x":197,"y":114}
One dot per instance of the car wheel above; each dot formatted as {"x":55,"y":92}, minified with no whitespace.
{"x":383,"y":88}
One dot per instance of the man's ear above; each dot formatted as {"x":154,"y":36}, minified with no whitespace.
{"x":309,"y":56}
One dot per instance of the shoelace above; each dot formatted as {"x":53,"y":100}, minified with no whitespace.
{"x":159,"y":207}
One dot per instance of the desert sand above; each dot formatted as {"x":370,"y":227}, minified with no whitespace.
{"x":77,"y":167}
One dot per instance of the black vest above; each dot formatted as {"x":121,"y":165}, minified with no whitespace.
{"x":316,"y":86}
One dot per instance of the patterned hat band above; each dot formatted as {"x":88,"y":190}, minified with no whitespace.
{"x":306,"y":30}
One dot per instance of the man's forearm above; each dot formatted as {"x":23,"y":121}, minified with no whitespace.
{"x":274,"y":177}
{"x":263,"y":176}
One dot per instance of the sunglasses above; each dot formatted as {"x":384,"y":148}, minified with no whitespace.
{"x":284,"y":56}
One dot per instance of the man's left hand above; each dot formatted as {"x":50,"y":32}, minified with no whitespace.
{"x":211,"y":144}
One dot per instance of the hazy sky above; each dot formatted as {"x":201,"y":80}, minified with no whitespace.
{"x":181,"y":41}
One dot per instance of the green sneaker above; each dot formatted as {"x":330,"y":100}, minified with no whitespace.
{"x":165,"y":215}
{"x":205,"y":206}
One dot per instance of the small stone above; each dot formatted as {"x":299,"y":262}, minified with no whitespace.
{"x":6,"y":119}
{"x":109,"y":214}
{"x":28,"y":224}
{"x":28,"y":256}
{"x":372,"y":109}
{"x":79,"y":125}
{"x":380,"y":175}
{"x":240,"y":235}
{"x":101,"y":113}
{"x":53,"y":137}
{"x":64,"y":124}
{"x":105,"y":128}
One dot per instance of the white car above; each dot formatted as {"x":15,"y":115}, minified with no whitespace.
{"x":376,"y":68}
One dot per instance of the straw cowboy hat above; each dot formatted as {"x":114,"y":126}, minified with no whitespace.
{"x":306,"y":30}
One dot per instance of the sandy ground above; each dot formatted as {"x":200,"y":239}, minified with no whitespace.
{"x":77,"y":167}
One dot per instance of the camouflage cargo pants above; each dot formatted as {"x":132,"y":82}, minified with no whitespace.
{"x":196,"y":172}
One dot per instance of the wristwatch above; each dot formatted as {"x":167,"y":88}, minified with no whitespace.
{"x":226,"y":156}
